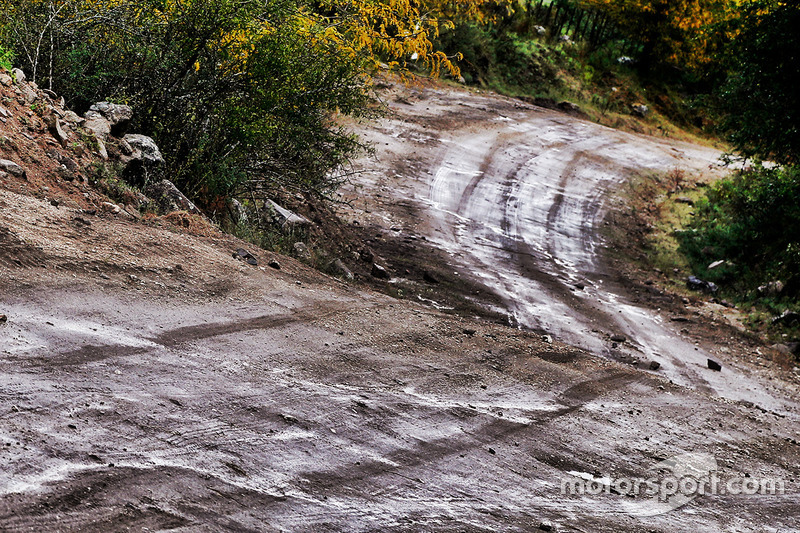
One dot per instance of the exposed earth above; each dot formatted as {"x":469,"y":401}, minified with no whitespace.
{"x":153,"y":382}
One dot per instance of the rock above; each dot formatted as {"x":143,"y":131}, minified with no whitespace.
{"x":540,"y":30}
{"x":788,"y":318}
{"x":141,"y":157}
{"x":640,"y":110}
{"x":3,"y":319}
{"x":54,"y":202}
{"x":108,"y":207}
{"x":469,"y":331}
{"x":782,"y":348}
{"x":29,"y":94}
{"x":366,"y":255}
{"x":243,"y":255}
{"x":679,"y":319}
{"x":238,"y":212}
{"x":97,"y":124}
{"x":71,"y":117}
{"x":713,"y":365}
{"x":5,"y":79}
{"x":546,"y":526}
{"x":289,"y":419}
{"x":794,"y":347}
{"x":50,"y":93}
{"x":117,"y":115}
{"x":548,"y":339}
{"x":772,"y":288}
{"x":302,"y":250}
{"x":429,"y":278}
{"x":716,"y":264}
{"x":654,"y":365}
{"x":688,"y":201}
{"x":147,"y":146}
{"x":282,"y":217}
{"x":340,"y":269}
{"x":696,"y":284}
{"x":54,"y":125}
{"x":133,"y":212}
{"x":168,"y":198}
{"x":274,"y":264}
{"x":101,"y":148}
{"x":19,"y":76}
{"x":379,"y":272}
{"x":65,"y":161}
{"x":618,"y":338}
{"x":569,"y":107}
{"x":12,"y":168}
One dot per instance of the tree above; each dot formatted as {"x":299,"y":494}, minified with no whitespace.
{"x":240,"y":94}
{"x":678,"y":33}
{"x":753,"y":218}
{"x":760,"y":100}
{"x":237,"y":93}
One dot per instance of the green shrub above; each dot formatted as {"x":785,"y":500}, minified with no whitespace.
{"x":238,"y":94}
{"x":751,"y":220}
{"x":6,"y":58}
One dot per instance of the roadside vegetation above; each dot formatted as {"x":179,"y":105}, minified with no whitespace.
{"x":749,"y":223}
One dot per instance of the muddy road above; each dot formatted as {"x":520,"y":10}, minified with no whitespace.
{"x":517,"y":195}
{"x":151,"y":382}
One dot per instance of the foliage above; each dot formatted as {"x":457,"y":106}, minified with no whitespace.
{"x":402,"y":31}
{"x":239,"y":94}
{"x":751,"y":220}
{"x":760,"y":99}
{"x":502,"y":59}
{"x":6,"y":58}
{"x":679,"y":33}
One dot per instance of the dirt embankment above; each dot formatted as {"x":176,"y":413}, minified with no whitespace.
{"x":151,"y":381}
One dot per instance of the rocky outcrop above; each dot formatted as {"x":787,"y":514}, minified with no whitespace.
{"x":118,"y":116}
{"x":53,"y":151}
{"x":141,"y":158}
{"x":144,"y":148}
{"x":166,"y":197}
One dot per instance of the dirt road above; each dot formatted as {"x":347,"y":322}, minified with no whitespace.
{"x":151,"y":382}
{"x":518,"y":195}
